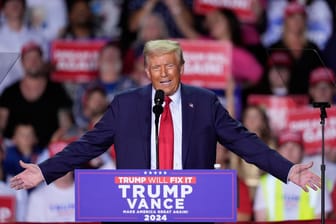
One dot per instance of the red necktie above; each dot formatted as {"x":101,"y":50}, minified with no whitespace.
{"x":166,"y":138}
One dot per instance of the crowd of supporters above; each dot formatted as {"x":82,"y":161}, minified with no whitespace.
{"x":285,"y":52}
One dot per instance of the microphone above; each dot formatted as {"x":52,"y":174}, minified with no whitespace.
{"x":157,"y":110}
{"x":158,"y":101}
{"x":321,"y":104}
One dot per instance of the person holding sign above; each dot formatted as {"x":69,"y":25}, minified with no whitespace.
{"x":194,"y":119}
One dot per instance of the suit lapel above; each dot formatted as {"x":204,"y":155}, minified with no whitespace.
{"x":187,"y":118}
{"x":144,"y":107}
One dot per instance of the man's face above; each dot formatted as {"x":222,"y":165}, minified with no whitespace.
{"x":96,"y":104}
{"x":291,"y":151}
{"x":32,"y":63}
{"x":14,"y":9}
{"x":109,"y":60}
{"x":321,"y":92}
{"x":165,"y":72}
{"x":24,"y":137}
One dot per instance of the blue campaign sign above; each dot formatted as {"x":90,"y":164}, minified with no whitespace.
{"x":156,"y":195}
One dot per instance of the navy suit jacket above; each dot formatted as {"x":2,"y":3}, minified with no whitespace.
{"x":127,"y":125}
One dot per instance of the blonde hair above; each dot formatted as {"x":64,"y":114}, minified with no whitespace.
{"x":160,"y":47}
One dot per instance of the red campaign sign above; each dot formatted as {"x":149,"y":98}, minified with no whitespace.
{"x":278,"y":107}
{"x":75,"y":60}
{"x":242,"y":8}
{"x":7,"y":208}
{"x":207,"y":63}
{"x":307,"y":120}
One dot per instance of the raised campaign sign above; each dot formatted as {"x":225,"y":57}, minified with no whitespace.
{"x":75,"y":60}
{"x":242,"y":8}
{"x":307,"y":121}
{"x":278,"y":107}
{"x":156,"y":195}
{"x":208,"y":63}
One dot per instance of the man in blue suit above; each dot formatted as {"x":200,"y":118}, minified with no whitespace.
{"x":199,"y":122}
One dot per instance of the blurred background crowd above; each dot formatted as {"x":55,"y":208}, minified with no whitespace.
{"x":286,"y":51}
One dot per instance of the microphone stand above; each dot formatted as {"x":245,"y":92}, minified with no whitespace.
{"x":323,"y":115}
{"x":157,"y":110}
{"x":157,"y":116}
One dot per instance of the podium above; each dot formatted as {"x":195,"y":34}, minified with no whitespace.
{"x":156,"y":195}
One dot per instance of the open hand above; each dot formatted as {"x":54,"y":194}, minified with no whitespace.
{"x":29,"y":178}
{"x":300,"y":175}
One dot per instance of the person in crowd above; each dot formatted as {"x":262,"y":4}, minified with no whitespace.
{"x":110,"y":78}
{"x":275,"y":201}
{"x":322,"y":89}
{"x":55,"y":202}
{"x":19,"y":197}
{"x":173,"y":12}
{"x":223,"y":25}
{"x":80,"y":25}
{"x":14,"y":34}
{"x":138,"y":73}
{"x":151,"y":27}
{"x":255,"y":120}
{"x":319,"y":20}
{"x":24,"y":148}
{"x":95,"y":105}
{"x":108,"y":16}
{"x":42,"y":17}
{"x":35,"y":98}
{"x":322,"y":85}
{"x":304,"y":53}
{"x":128,"y":123}
{"x":277,"y":78}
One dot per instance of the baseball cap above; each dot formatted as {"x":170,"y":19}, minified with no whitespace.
{"x":321,"y":74}
{"x":30,"y":46}
{"x":294,"y":8}
{"x":279,"y":58}
{"x":55,"y":147}
{"x":286,"y":136}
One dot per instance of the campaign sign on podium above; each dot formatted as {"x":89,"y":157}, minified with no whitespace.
{"x":156,"y":195}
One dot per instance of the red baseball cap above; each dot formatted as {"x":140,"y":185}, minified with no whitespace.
{"x":279,"y":58}
{"x":294,"y":8}
{"x":286,"y":136}
{"x":55,"y":147}
{"x":30,"y":46}
{"x":321,"y":74}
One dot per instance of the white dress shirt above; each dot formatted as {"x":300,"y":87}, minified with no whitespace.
{"x":176,"y":111}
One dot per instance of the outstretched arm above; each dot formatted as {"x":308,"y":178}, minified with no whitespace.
{"x":300,"y":175}
{"x":29,"y":178}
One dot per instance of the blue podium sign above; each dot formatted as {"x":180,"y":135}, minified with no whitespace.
{"x":156,"y":195}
